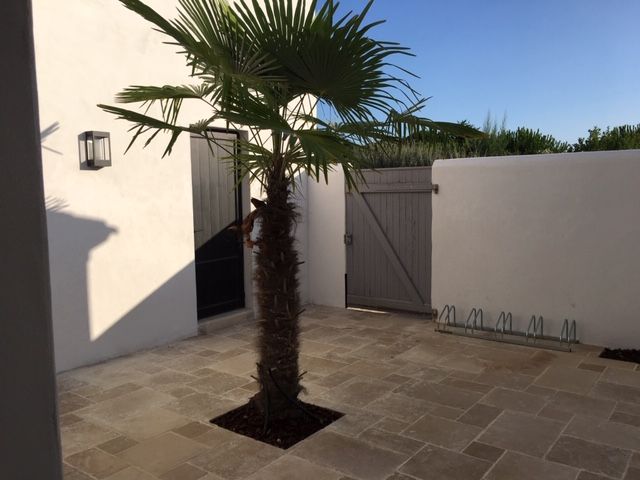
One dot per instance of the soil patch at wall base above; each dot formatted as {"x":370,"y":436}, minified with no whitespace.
{"x":283,"y":433}
{"x":622,"y":354}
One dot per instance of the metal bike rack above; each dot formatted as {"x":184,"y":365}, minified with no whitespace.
{"x":504,"y":319}
{"x":472,"y":320}
{"x":568,"y":333}
{"x":503,"y":330}
{"x":447,"y":311}
{"x":535,"y":329}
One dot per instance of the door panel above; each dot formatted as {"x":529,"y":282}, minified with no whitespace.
{"x":389,"y":253}
{"x":216,"y":207}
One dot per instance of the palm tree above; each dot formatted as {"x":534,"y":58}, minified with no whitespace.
{"x":265,"y":67}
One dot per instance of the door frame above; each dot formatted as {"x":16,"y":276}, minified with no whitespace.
{"x":243,"y":204}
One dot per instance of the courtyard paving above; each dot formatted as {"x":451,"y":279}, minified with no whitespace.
{"x":418,"y":405}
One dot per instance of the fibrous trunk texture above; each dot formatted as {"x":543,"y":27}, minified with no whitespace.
{"x":276,"y":278}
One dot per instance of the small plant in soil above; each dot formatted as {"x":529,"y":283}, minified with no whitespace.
{"x":268,"y":69}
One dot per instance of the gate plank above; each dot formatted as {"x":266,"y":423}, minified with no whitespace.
{"x":390,"y":252}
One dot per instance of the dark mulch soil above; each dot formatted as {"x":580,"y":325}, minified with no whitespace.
{"x":625,"y":355}
{"x":247,"y":420}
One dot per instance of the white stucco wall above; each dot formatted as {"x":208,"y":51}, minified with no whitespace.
{"x":326,"y":251}
{"x":554,"y":235}
{"x":120,"y":238}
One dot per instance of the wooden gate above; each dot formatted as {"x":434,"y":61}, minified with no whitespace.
{"x":389,"y":240}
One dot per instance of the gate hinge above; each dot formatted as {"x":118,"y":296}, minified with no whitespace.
{"x":348,"y":239}
{"x":435,"y":188}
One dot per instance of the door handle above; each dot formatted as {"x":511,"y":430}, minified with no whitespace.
{"x":348,"y":239}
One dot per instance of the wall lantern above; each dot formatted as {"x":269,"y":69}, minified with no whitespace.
{"x":97,"y":149}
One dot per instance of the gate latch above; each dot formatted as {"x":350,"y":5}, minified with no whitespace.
{"x":348,"y":239}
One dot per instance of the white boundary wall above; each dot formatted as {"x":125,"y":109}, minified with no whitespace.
{"x":554,"y":235}
{"x":120,"y":238}
{"x":326,"y":221}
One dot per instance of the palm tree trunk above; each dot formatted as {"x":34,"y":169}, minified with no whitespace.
{"x":279,"y":303}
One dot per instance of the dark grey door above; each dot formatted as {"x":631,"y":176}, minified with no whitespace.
{"x":389,"y":240}
{"x":216,"y":206}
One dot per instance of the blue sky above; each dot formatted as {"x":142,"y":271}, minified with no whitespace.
{"x":561,"y":66}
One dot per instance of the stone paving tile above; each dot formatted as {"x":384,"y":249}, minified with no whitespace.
{"x":523,"y":467}
{"x":617,"y":392}
{"x":290,"y":467}
{"x":593,"y":457}
{"x":584,"y":475}
{"x":70,"y":402}
{"x":395,"y":476}
{"x":440,"y":394}
{"x":369,"y":369}
{"x":131,"y":473}
{"x":183,"y":472}
{"x":514,"y":400}
{"x":218,"y":383}
{"x":442,"y":432}
{"x":82,"y":435}
{"x":541,"y":391}
{"x":484,"y":451}
{"x":630,"y":408}
{"x":117,"y":445}
{"x":350,"y":456}
{"x":400,"y":384}
{"x":68,"y":419}
{"x":625,"y":418}
{"x":466,"y":385}
{"x":632,"y":474}
{"x":522,"y":433}
{"x":607,"y":362}
{"x":397,"y":443}
{"x":96,"y":462}
{"x":320,"y":366}
{"x":603,"y":431}
{"x":549,"y":411}
{"x":168,"y":378}
{"x":125,"y":406}
{"x":242,"y":364}
{"x":149,"y":423}
{"x":391,"y":425}
{"x":201,"y":407}
{"x":359,"y":393}
{"x":399,"y":407}
{"x":160,"y":454}
{"x":592,"y":367}
{"x":70,"y":473}
{"x":354,"y":422}
{"x":503,"y":379}
{"x":568,"y":379}
{"x":420,"y":372}
{"x":582,"y":405}
{"x":437,"y":463}
{"x":113,"y":392}
{"x":623,"y":377}
{"x":480,"y":415}
{"x":193,"y":429}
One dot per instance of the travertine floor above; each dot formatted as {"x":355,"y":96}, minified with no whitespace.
{"x":419,"y":405}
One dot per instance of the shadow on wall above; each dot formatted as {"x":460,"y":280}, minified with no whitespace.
{"x":157,"y":319}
